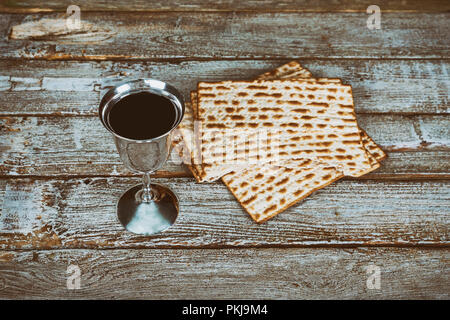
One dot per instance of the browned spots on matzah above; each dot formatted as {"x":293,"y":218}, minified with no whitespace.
{"x":257,"y":87}
{"x":279,"y":183}
{"x":263,"y":94}
{"x":326,"y":144}
{"x":271,"y":208}
{"x":353,"y":134}
{"x":351,"y":142}
{"x":215,"y":126}
{"x":318,"y":104}
{"x":325,"y":157}
{"x":249,"y":200}
{"x":265,"y":109}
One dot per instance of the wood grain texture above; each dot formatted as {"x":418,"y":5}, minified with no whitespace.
{"x":33,"y":87}
{"x":80,"y":146}
{"x":224,"y":35}
{"x":225,"y":5}
{"x":295,"y":273}
{"x":80,"y":213}
{"x":61,"y":176}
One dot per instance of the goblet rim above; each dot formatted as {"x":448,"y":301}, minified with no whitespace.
{"x":126,"y":88}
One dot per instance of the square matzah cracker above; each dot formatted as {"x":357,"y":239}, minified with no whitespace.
{"x":307,"y":119}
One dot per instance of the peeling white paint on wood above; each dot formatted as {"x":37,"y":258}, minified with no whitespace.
{"x":270,"y":273}
{"x":129,"y":35}
{"x":81,"y":213}
{"x":5,"y":83}
{"x":25,"y":83}
{"x":58,"y":28}
{"x":69,"y":84}
{"x":435,"y":136}
{"x":19,"y":209}
{"x":76,"y":87}
{"x":81,"y":146}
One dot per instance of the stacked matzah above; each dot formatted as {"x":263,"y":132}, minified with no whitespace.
{"x":310,"y":130}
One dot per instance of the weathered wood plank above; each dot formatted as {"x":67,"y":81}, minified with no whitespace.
{"x":224,"y":35}
{"x":296,"y":273}
{"x":34,"y":87}
{"x":68,"y":146}
{"x":225,"y":5}
{"x":80,"y":213}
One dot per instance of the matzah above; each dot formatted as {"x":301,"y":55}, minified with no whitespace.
{"x":305,"y":119}
{"x":303,"y":177}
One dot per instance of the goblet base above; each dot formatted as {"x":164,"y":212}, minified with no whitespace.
{"x":150,"y":217}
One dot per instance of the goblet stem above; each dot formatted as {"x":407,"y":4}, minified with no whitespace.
{"x":147,"y":193}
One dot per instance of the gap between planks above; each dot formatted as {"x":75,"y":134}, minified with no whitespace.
{"x":287,"y":246}
{"x":269,"y":6}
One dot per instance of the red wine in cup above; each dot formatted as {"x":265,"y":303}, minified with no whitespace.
{"x":142,"y":116}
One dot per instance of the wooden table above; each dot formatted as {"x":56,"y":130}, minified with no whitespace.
{"x":61,"y":175}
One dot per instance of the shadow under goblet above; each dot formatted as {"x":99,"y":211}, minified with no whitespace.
{"x":141,"y":115}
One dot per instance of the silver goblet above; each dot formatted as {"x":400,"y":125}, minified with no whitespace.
{"x":147,"y":208}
